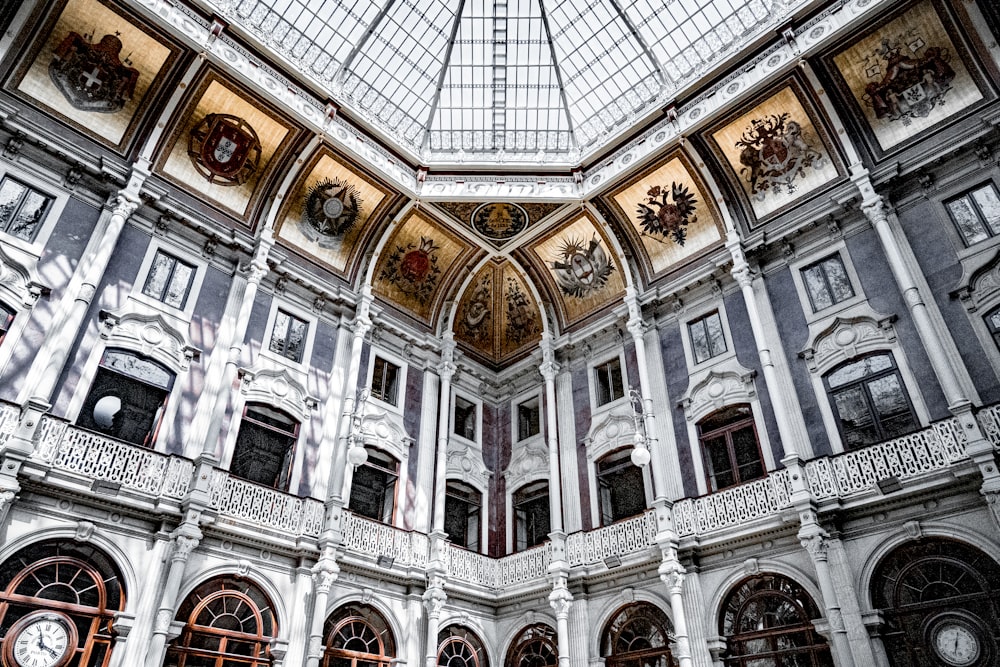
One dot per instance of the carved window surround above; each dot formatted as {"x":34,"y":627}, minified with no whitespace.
{"x":615,"y":430}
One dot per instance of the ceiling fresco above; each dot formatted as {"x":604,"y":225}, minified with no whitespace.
{"x":579,"y":268}
{"x":776,"y":151}
{"x":498,"y":319}
{"x":498,"y":223}
{"x":95,"y":69}
{"x":420,"y":260}
{"x":225,"y":145}
{"x":668,"y":214}
{"x":907,"y":75}
{"x":334,"y":211}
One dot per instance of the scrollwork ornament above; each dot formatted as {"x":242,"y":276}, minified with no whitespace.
{"x":434,"y":599}
{"x":123,"y":205}
{"x":325,"y":573}
{"x":549,"y":369}
{"x":875,"y":211}
{"x":561,"y":600}
{"x":816,"y":545}
{"x":183,"y":546}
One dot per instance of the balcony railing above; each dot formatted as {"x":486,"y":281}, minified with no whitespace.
{"x":263,"y":506}
{"x":733,"y":506}
{"x":498,"y":573}
{"x":406,"y":548}
{"x":618,"y":539}
{"x":8,"y":421}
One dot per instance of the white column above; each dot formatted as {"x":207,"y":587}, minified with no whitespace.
{"x":650,"y":442}
{"x":186,"y":538}
{"x":672,"y":575}
{"x":434,"y":599}
{"x":562,"y":601}
{"x":813,"y":539}
{"x":446,"y":371}
{"x":549,"y":369}
{"x":324,"y":574}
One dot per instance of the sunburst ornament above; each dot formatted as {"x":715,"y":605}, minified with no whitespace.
{"x":582,"y":268}
{"x":665,"y":217}
{"x":332,"y":207}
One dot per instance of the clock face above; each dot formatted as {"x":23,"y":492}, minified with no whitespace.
{"x":956,"y":644}
{"x":42,"y":640}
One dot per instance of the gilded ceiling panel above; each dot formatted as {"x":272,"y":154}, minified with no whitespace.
{"x":94,"y":69}
{"x":579,"y":267}
{"x":419,"y":261}
{"x":225,"y":145}
{"x":333,"y":211}
{"x":776,"y":151}
{"x":498,"y":222}
{"x":670,"y":215}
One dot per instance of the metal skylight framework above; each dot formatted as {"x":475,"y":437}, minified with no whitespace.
{"x":488,"y":80}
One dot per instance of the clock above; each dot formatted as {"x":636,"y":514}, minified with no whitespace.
{"x":956,"y":642}
{"x":40,"y":639}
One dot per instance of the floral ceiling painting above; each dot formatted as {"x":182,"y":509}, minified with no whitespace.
{"x":333,"y":211}
{"x":670,"y":213}
{"x":226,"y":145}
{"x":419,"y":260}
{"x":95,"y":69}
{"x":777,"y":152}
{"x":498,"y":318}
{"x":908,"y":75}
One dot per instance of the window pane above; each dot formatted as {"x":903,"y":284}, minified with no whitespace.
{"x":859,"y":369}
{"x":856,"y":422}
{"x":819,"y":293}
{"x":836,"y":275}
{"x":625,"y":493}
{"x":699,"y":341}
{"x":279,"y":333}
{"x":296,"y":339}
{"x":716,"y":339}
{"x":159,"y":273}
{"x":747,"y":454}
{"x":10,"y":195}
{"x":29,"y":216}
{"x":528,"y":419}
{"x":177,"y":290}
{"x":967,"y":220}
{"x":720,"y":467}
{"x":465,"y":418}
{"x":609,"y":382}
{"x":989,"y":205}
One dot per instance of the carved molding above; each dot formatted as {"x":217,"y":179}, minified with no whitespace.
{"x":612,"y":432}
{"x":465,"y":462}
{"x":150,"y":335}
{"x":726,"y":384}
{"x":979,"y":284}
{"x":529,"y":461}
{"x":279,"y":389}
{"x":846,"y":338}
{"x":19,"y":283}
{"x":381,"y":429}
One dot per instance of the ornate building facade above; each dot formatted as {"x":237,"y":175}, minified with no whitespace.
{"x":515,"y":333}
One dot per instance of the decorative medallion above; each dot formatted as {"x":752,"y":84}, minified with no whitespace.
{"x":773,"y":153}
{"x":475,"y":318}
{"x":331,"y":209}
{"x":522,"y":315}
{"x":91,"y":76}
{"x":582,"y":268}
{"x":224,"y":149}
{"x":668,"y":218}
{"x":413,"y":269}
{"x":499,"y":221}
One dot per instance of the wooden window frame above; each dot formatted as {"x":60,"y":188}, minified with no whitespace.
{"x":702,"y":322}
{"x":44,"y":211}
{"x":976,"y":209}
{"x":726,"y":431}
{"x":529,"y":495}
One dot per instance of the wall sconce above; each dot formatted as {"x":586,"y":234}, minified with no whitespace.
{"x":356,"y":453}
{"x":640,"y":449}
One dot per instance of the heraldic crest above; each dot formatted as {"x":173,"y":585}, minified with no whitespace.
{"x":331,"y":208}
{"x":773,"y":152}
{"x":668,"y":219}
{"x":413,"y":269}
{"x":476,"y":317}
{"x":91,"y":76}
{"x":582,"y":268}
{"x":224,"y":149}
{"x":912,"y":85}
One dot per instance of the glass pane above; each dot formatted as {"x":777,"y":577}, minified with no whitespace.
{"x":891,"y":404}
{"x":177,"y":290}
{"x":856,"y":422}
{"x":159,"y":273}
{"x":10,"y":195}
{"x":29,"y":216}
{"x":720,"y":467}
{"x":716,"y":339}
{"x":279,"y":332}
{"x":699,"y":341}
{"x":859,"y":369}
{"x":967,"y":221}
{"x":836,"y":275}
{"x":989,"y":205}
{"x":993,"y":321}
{"x":819,"y":293}
{"x":747,"y":454}
{"x":296,"y":339}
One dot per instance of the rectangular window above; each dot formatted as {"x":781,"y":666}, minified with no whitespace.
{"x":976,"y":214}
{"x":609,"y":381}
{"x":827,"y":283}
{"x":373,"y":489}
{"x":169,"y":280}
{"x":465,"y":418}
{"x":707,"y":337}
{"x":22,"y":209}
{"x":462,"y":505}
{"x":730,"y":447}
{"x":265,"y":447}
{"x":385,"y":381}
{"x":288,"y":337}
{"x":621,"y":487}
{"x":528,"y":419}
{"x":531,"y":515}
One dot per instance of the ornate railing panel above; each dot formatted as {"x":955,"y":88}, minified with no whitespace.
{"x":470,"y":566}
{"x":733,"y":506}
{"x":909,"y":456}
{"x":9,"y":415}
{"x":378,"y":539}
{"x":989,"y":422}
{"x":618,"y":539}
{"x":529,"y":565}
{"x":267,"y":507}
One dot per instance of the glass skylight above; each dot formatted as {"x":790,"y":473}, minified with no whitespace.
{"x":480,"y":79}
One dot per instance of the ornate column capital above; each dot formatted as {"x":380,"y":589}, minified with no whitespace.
{"x":324,"y":574}
{"x":186,"y":538}
{"x":122,"y":204}
{"x":561,"y":600}
{"x":434,"y":599}
{"x":672,"y":574}
{"x":876,"y":210}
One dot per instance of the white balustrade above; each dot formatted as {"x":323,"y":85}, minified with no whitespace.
{"x":733,"y":506}
{"x":9,"y":414}
{"x":472,"y":567}
{"x":989,"y":422}
{"x":909,"y":456}
{"x":529,"y":565}
{"x":49,"y":438}
{"x":178,"y":478}
{"x":619,"y":539}
{"x":362,"y":535}
{"x":265,"y":506}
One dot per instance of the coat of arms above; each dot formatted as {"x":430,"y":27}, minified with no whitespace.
{"x":413,"y":269}
{"x":911,"y":85}
{"x":224,"y":149}
{"x":499,"y":221}
{"x":521,"y":324}
{"x":91,"y":76}
{"x":773,"y":152}
{"x":668,"y":218}
{"x":475,"y":319}
{"x":331,"y":209}
{"x":582,"y":268}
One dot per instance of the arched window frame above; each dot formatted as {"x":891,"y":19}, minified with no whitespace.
{"x":630,"y":616}
{"x":534,"y":646}
{"x":255,"y":420}
{"x":608,"y":472}
{"x":383,"y":462}
{"x":473,"y":497}
{"x":610,"y":435}
{"x":367,"y":624}
{"x":458,"y":646}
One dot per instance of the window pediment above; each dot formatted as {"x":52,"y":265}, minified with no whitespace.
{"x":846,"y":338}
{"x":151,"y":335}
{"x":722,"y":385}
{"x":279,"y":389}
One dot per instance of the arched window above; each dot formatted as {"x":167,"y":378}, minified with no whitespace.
{"x":870,"y":401}
{"x":730,"y":448}
{"x":620,"y":487}
{"x":531,"y":515}
{"x":767,"y":620}
{"x":373,"y":489}
{"x":535,"y":646}
{"x":358,"y":636}
{"x":265,"y":446}
{"x":228,"y":622}
{"x":462,"y":514}
{"x":460,"y":647}
{"x":639,"y":635}
{"x":73,"y":587}
{"x":940,"y":602}
{"x":127,"y":398}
